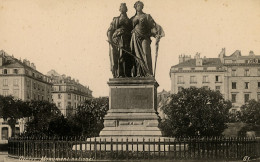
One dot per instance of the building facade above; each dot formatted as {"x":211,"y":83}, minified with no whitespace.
{"x":21,"y":80}
{"x":237,"y":77}
{"x":68,"y":93}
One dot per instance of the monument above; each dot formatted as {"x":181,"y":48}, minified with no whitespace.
{"x":133,"y":90}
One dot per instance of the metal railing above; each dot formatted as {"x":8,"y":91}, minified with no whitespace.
{"x":82,"y":149}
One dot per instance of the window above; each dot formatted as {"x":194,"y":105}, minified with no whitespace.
{"x":180,"y":80}
{"x":234,"y":72}
{"x":34,"y":85}
{"x":246,"y":98}
{"x":59,"y":104}
{"x":246,"y":85}
{"x":193,"y":79}
{"x":69,"y":96}
{"x":258,"y":85}
{"x":15,"y":71}
{"x":5,"y":71}
{"x":5,"y":82}
{"x":5,"y":93}
{"x":258,"y":96}
{"x":246,"y":72}
{"x":75,"y":97}
{"x":234,"y":98}
{"x":28,"y":83}
{"x":218,"y":78}
{"x":234,"y":85}
{"x":205,"y":79}
{"x":15,"y":82}
{"x":217,"y":88}
{"x":16,"y":93}
{"x":59,"y":96}
{"x":33,"y":74}
{"x":258,"y":72}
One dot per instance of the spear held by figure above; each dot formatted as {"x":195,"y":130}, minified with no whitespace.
{"x":160,"y":33}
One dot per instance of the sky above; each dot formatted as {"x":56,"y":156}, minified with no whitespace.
{"x":69,"y":36}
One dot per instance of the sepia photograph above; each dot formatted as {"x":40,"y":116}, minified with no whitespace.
{"x":149,"y":80}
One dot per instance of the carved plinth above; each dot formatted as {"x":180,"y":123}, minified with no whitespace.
{"x":132,"y":108}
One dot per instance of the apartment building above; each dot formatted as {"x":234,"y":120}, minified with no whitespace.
{"x":68,"y":93}
{"x":21,"y":80}
{"x":237,"y":77}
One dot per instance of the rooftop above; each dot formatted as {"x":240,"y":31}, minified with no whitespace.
{"x":207,"y":62}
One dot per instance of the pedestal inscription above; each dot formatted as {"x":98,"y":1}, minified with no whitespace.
{"x":132,"y":108}
{"x":131,"y":97}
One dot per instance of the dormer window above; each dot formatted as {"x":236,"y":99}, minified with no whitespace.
{"x":15,"y":71}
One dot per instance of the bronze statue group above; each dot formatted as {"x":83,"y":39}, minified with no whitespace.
{"x":130,"y":43}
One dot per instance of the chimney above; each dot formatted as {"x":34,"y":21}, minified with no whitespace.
{"x":26,"y":62}
{"x":183,"y":58}
{"x":180,"y":58}
{"x":198,"y":59}
{"x":251,"y":53}
{"x":33,"y":66}
{"x":2,"y":58}
{"x":222,"y":54}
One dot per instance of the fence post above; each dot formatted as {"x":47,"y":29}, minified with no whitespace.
{"x":111,"y":148}
{"x":100,"y":148}
{"x":95,"y":147}
{"x":143,"y":148}
{"x":149,"y":142}
{"x":137,"y":147}
{"x":126,"y":148}
{"x":159,"y":148}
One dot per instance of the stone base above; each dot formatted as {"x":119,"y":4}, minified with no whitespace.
{"x":132,"y":108}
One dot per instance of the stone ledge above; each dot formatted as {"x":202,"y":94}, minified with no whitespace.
{"x":132,"y":81}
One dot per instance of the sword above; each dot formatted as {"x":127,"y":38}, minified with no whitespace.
{"x":122,"y":49}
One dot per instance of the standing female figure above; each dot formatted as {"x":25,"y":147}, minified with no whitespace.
{"x":143,"y":28}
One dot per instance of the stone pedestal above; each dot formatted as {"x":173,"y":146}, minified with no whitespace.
{"x":132,"y":108}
